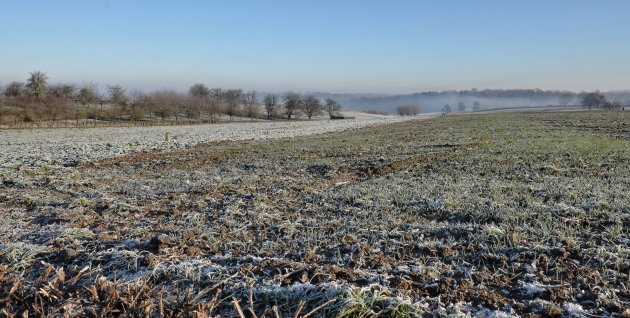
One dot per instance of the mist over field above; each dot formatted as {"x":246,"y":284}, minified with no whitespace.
{"x":430,"y":102}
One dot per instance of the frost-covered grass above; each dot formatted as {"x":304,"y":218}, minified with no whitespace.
{"x":494,"y":215}
{"x":72,"y":146}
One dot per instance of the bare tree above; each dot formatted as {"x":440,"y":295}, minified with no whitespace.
{"x":14,"y":89}
{"x":214,"y":104}
{"x":68,"y":91}
{"x":55,"y":91}
{"x":88,"y":94}
{"x":408,"y":110}
{"x":594,"y":99}
{"x":251,"y":105}
{"x":216,"y":93}
{"x":333,"y":107}
{"x":461,"y":107}
{"x":117,"y":99}
{"x":198,"y":99}
{"x":100,"y":99}
{"x":139,"y":102}
{"x":232,"y":99}
{"x":311,"y":106}
{"x":178,"y":102}
{"x":292,"y":103}
{"x":56,"y":102}
{"x":193,"y":107}
{"x":476,"y":106}
{"x":199,"y":90}
{"x":614,"y":105}
{"x":271,"y":101}
{"x":446,"y":109}
{"x":117,"y":95}
{"x":62,"y":91}
{"x":56,"y":106}
{"x":162,"y":103}
{"x":37,"y":84}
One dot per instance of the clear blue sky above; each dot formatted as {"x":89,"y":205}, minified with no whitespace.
{"x":335,"y":46}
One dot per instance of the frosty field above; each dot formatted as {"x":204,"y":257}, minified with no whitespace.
{"x":69,"y":147}
{"x":493,"y":215}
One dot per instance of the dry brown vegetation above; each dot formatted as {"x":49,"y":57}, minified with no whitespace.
{"x":497,"y":214}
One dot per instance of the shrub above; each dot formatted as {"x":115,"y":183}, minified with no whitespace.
{"x":408,"y":110}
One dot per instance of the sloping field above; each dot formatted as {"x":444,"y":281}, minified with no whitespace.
{"x":70,"y":147}
{"x":494,"y":215}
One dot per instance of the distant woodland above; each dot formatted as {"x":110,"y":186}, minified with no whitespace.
{"x":36,"y":101}
{"x":64,"y":104}
{"x":474,"y":99}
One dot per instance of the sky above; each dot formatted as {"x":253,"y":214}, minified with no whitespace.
{"x":348,"y":46}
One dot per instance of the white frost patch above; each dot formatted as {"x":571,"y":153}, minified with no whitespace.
{"x":487,"y":313}
{"x":493,"y":230}
{"x":532,"y":289}
{"x":536,"y":288}
{"x":55,"y":148}
{"x":573,"y":310}
{"x":297,"y":288}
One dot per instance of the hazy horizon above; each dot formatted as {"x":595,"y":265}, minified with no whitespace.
{"x":350,"y":47}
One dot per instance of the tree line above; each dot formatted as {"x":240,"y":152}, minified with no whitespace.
{"x":37,"y":100}
{"x":598,"y":100}
{"x":435,"y":101}
{"x":588,"y":100}
{"x":413,"y":110}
